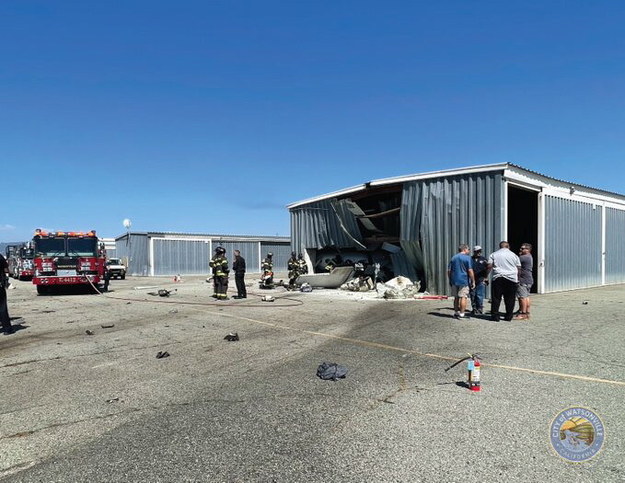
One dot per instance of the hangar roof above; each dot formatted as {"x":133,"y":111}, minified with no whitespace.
{"x":512,"y":172}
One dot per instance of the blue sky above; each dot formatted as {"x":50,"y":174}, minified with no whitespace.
{"x":202,"y":116}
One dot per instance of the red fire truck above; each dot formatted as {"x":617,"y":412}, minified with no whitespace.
{"x":11,"y":258}
{"x":24,"y":267}
{"x":67,"y":259}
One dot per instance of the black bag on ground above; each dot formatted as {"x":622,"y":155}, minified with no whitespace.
{"x":329,"y":371}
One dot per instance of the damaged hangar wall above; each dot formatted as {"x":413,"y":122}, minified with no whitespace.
{"x":438,"y":214}
{"x":317,"y":225}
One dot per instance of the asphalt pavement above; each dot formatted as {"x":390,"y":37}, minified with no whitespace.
{"x":102,"y":407}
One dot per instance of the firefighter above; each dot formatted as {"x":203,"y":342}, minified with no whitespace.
{"x":303,"y":268}
{"x":219,"y":264}
{"x":267,"y":265}
{"x":266,"y":280}
{"x":293,"y":266}
{"x":107,"y":279}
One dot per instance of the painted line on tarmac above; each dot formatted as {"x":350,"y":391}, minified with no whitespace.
{"x":378,"y":345}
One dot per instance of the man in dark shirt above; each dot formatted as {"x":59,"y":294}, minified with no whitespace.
{"x":480,"y":271}
{"x":4,"y":310}
{"x":526,"y":280}
{"x":238,"y":266}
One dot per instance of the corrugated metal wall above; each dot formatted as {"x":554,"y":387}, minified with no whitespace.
{"x":185,"y":257}
{"x":572,"y":244}
{"x":135,"y":250}
{"x":281,"y":254}
{"x":439,"y":214}
{"x":316,"y":225}
{"x":615,"y":246}
{"x":249,"y":251}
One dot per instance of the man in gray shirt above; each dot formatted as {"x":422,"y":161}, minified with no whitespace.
{"x":526,"y":280}
{"x":504,"y":265}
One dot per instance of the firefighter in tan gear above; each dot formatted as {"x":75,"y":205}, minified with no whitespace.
{"x":293,"y":266}
{"x":219,"y":265}
{"x":303,"y":268}
{"x":266,"y":278}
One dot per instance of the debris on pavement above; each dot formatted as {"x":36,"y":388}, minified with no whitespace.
{"x":305,"y":287}
{"x":173,"y":311}
{"x":112,"y":400}
{"x":163,"y":292}
{"x":107,"y":326}
{"x":232,"y":337}
{"x":398,"y":288}
{"x":330,"y":371}
{"x":267,"y":298}
{"x":358,"y":284}
{"x":162,"y":355}
{"x":427,"y":296}
{"x":89,"y":332}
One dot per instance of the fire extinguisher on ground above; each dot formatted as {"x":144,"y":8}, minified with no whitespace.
{"x":473,"y":373}
{"x":474,"y":367}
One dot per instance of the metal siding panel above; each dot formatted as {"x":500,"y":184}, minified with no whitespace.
{"x":316,"y":225}
{"x":135,"y":250}
{"x":573,"y":244}
{"x":249,"y":251}
{"x":184,"y":257}
{"x":281,"y":254}
{"x":459,"y":209}
{"x":615,"y":246}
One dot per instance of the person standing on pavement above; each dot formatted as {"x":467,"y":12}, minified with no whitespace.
{"x":293,"y":267}
{"x":4,"y":309}
{"x":480,"y":272}
{"x":219,"y":264}
{"x":526,"y":280}
{"x":505,"y":266}
{"x":238,"y":266}
{"x":461,"y":278}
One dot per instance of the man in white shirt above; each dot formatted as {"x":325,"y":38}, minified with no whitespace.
{"x":504,"y":265}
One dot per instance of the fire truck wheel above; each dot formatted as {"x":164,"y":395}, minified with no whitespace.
{"x":42,"y":290}
{"x":123,"y":277}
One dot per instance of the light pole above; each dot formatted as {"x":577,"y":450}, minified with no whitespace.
{"x":127,"y":224}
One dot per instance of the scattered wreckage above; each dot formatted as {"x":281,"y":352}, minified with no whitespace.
{"x":333,"y":279}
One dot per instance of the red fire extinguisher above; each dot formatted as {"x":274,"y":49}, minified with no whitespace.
{"x":473,"y":373}
{"x":474,"y":366}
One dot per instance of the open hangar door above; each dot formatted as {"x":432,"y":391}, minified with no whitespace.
{"x":522,"y":221}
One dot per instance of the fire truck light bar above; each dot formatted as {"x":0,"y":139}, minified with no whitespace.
{"x":41,"y":233}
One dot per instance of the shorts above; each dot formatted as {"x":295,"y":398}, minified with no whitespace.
{"x":461,"y":291}
{"x":523,"y":291}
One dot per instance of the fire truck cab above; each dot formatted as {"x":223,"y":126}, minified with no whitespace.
{"x":66,"y":259}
